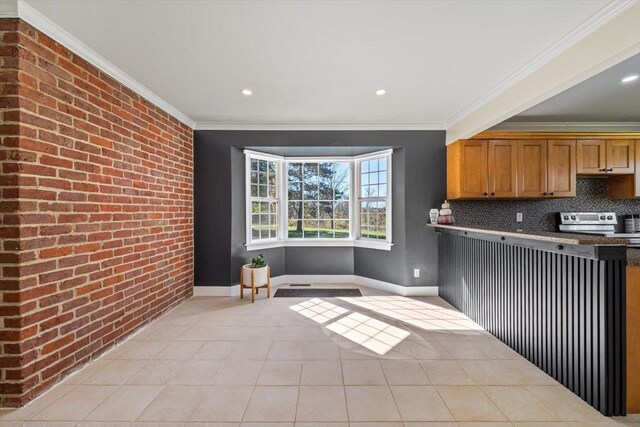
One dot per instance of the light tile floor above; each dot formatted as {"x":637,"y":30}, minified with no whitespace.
{"x":376,"y":361}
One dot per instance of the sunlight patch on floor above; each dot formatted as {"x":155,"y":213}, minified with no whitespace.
{"x":373,"y":334}
{"x":318,"y":310}
{"x":416,"y":313}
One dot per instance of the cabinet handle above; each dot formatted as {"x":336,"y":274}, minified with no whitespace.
{"x":610,"y":170}
{"x":602,"y":170}
{"x":493,"y":194}
{"x":544,"y":194}
{"x":551,"y":194}
{"x":485,"y":194}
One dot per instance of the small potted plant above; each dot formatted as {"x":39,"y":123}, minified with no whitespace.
{"x":255,"y":275}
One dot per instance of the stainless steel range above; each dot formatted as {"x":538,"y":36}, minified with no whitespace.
{"x":599,"y":223}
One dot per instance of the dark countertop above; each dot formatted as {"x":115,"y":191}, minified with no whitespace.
{"x":633,"y":257}
{"x":545,"y":236}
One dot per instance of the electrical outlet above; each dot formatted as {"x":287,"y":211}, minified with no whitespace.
{"x":519,"y":217}
{"x":416,"y":272}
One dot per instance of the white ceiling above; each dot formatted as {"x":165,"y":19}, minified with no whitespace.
{"x":319,"y":62}
{"x":602,"y":98}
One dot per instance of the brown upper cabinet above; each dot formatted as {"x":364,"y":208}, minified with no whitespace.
{"x":627,"y":186}
{"x":502,"y":165}
{"x":541,"y":164}
{"x":480,"y":168}
{"x":599,"y":156}
{"x":510,"y":169}
{"x":561,"y":177}
{"x":532,"y":168}
{"x":467,"y":167}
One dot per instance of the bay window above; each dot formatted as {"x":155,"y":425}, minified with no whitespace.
{"x":320,"y":201}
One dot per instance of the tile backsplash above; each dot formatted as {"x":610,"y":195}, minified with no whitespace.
{"x":591,"y":196}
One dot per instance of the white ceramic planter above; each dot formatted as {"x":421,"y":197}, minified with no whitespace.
{"x":259,"y":275}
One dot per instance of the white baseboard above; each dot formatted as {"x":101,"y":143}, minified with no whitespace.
{"x":407,"y":291}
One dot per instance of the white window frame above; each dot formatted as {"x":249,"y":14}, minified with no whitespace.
{"x":364,"y":241}
{"x":283,"y":203}
{"x":249,"y":199}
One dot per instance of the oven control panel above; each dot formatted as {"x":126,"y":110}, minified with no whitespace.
{"x":588,"y":218}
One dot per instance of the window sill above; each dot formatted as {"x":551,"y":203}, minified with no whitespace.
{"x":370,"y":244}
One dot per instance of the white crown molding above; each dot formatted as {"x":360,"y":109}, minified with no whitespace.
{"x":30,"y":15}
{"x":568,"y":126}
{"x":610,"y":11}
{"x":326,"y":126}
{"x":407,"y":291}
{"x":8,"y":8}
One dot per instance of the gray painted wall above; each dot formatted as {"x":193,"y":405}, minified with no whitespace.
{"x":419,"y":161}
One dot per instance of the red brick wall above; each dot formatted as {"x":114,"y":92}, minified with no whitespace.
{"x":96,"y":212}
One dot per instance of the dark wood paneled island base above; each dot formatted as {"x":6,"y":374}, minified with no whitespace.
{"x":562,"y":306}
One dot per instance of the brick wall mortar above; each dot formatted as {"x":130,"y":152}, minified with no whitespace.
{"x":97,"y":212}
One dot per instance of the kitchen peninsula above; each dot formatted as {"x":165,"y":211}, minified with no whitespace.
{"x":558,"y":299}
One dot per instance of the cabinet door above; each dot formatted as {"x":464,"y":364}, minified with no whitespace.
{"x":620,"y":156}
{"x":532,"y":168}
{"x":473,"y":170}
{"x":591,"y":156}
{"x":561,"y":174}
{"x":503,"y":161}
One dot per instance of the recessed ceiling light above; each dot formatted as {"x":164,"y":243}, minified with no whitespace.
{"x":247,"y":92}
{"x":630,"y":78}
{"x":380,"y":92}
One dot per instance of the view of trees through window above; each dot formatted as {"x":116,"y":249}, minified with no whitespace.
{"x":318,"y":195}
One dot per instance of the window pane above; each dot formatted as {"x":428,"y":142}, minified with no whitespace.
{"x":310,"y":229}
{"x":326,"y":190}
{"x":382,"y":190}
{"x":364,"y":167}
{"x":341,"y":229}
{"x":254,"y":164}
{"x":341,"y":210}
{"x":373,"y":178}
{"x":326,"y":171}
{"x":295,"y":190}
{"x":341,"y":171}
{"x":254,"y":191}
{"x":341,"y":190}
{"x":326,"y":210}
{"x":382,"y":163}
{"x":295,"y":171}
{"x":310,"y":210}
{"x":364,"y":179}
{"x":294,"y":228}
{"x":382,"y":177}
{"x":326,"y":229}
{"x":310,"y":190}
{"x":262,"y":191}
{"x":310,"y":172}
{"x":262,"y":165}
{"x":295,"y":210}
{"x":254,"y":177}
